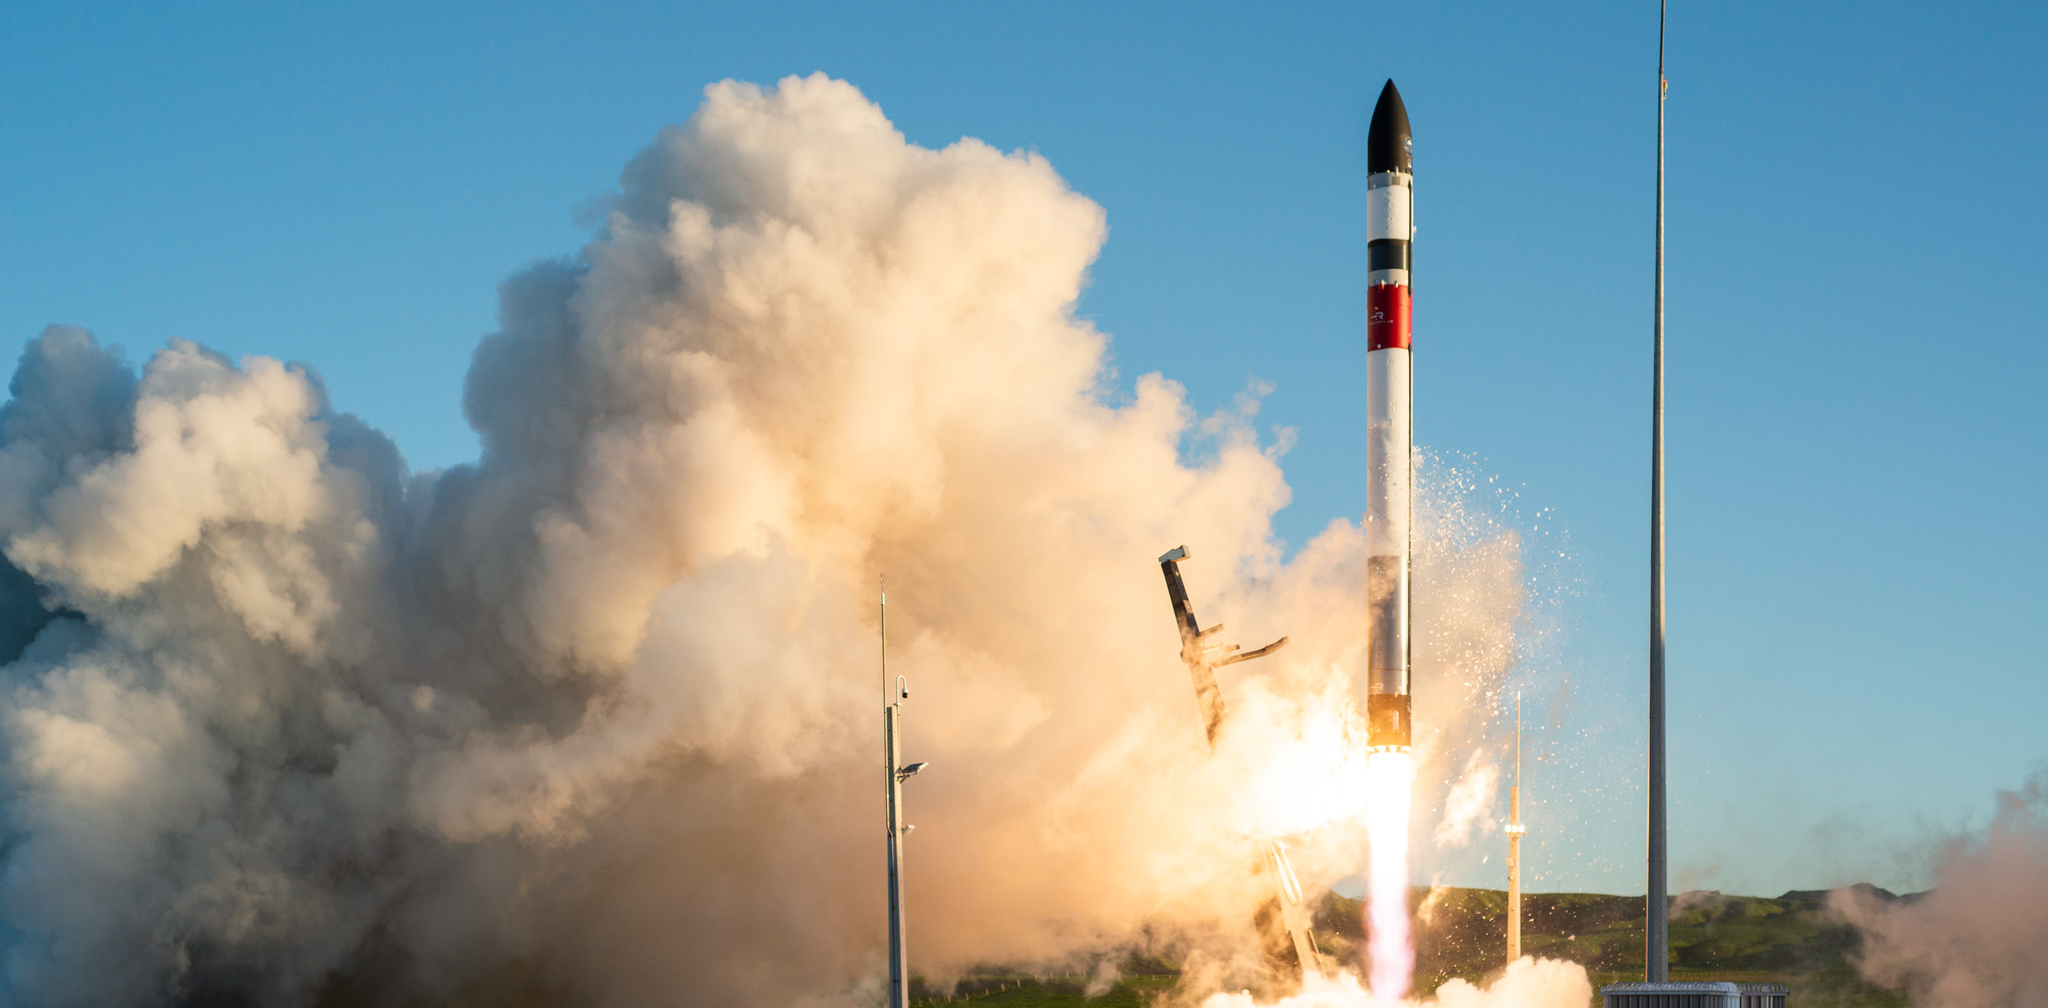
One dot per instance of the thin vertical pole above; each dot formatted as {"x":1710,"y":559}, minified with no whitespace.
{"x":892,"y":758}
{"x":1515,"y":845}
{"x":1658,"y":952}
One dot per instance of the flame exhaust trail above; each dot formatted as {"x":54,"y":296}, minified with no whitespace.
{"x":1390,"y":943}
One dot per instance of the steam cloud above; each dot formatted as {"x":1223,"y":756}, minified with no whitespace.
{"x":595,"y":719}
{"x":1975,"y":940}
{"x":1526,"y":983}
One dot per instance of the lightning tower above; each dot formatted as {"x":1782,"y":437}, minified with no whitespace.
{"x":1515,"y":831}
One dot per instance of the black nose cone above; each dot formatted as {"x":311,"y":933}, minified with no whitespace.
{"x":1388,"y":146}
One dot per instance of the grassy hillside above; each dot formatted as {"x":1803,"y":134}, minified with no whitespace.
{"x":1791,"y":940}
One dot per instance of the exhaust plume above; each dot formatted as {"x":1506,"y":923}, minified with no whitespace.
{"x":591,"y":720}
{"x":1526,"y":983}
{"x":1975,"y":939}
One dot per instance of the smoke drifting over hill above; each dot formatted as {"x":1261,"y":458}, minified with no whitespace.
{"x":1975,"y":939}
{"x":596,"y":717}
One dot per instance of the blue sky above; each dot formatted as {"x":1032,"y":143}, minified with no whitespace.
{"x":1856,"y":427}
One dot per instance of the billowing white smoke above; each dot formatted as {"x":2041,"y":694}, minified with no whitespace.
{"x":1976,"y":939}
{"x":1526,"y":983}
{"x":595,"y":719}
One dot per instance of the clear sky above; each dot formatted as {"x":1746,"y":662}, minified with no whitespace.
{"x":1857,"y":424}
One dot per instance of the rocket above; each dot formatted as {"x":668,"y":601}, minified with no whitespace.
{"x":1389,"y":453}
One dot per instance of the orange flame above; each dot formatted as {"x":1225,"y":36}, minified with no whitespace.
{"x":1390,"y":945}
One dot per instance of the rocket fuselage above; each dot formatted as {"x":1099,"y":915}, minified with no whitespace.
{"x":1390,"y":443}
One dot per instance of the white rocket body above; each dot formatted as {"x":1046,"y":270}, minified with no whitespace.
{"x":1390,"y":442}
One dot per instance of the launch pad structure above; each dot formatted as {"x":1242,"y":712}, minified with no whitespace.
{"x":1202,"y":659}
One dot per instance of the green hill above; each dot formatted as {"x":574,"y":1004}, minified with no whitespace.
{"x":1791,"y":939}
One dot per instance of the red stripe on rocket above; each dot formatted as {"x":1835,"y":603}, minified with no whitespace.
{"x":1387,"y":317}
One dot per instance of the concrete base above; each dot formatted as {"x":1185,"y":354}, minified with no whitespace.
{"x":1693,"y":994}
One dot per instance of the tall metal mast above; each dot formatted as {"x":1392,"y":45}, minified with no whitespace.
{"x":1515,"y":831}
{"x":894,"y":773}
{"x":1658,"y":951}
{"x":892,"y":756}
